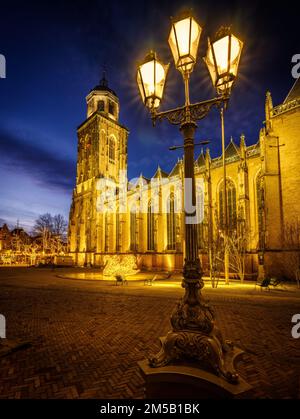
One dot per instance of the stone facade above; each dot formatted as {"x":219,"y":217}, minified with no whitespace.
{"x":262,"y":186}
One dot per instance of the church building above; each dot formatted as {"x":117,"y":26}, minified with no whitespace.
{"x":262,"y":182}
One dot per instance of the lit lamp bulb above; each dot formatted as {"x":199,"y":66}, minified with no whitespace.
{"x":151,"y":77}
{"x":184,"y":41}
{"x":221,"y":53}
{"x":222,"y":59}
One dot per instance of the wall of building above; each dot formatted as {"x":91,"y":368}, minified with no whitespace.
{"x":91,"y":238}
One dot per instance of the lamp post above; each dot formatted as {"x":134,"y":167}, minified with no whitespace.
{"x":224,"y":52}
{"x":194,"y":334}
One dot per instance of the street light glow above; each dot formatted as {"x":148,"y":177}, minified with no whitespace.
{"x":152,"y":74}
{"x":223,"y":58}
{"x":184,"y":41}
{"x":221,"y":48}
{"x":151,"y":79}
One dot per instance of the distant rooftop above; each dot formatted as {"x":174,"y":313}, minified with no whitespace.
{"x":294,"y":92}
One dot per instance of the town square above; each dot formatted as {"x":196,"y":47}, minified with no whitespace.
{"x":149,"y":211}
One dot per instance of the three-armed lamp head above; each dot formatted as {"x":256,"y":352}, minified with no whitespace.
{"x":223,"y":58}
{"x":151,"y":78}
{"x":184,"y":41}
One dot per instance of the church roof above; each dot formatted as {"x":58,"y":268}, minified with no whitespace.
{"x":4,"y":227}
{"x":134,"y":183}
{"x":294,"y":92}
{"x":19,"y":231}
{"x":201,"y":159}
{"x":159,"y":173}
{"x":103,"y":86}
{"x":143,"y":179}
{"x":231,"y":150}
{"x":176,"y":169}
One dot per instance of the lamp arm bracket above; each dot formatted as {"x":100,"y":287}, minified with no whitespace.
{"x":194,"y":112}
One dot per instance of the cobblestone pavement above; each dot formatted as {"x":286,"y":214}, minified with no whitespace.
{"x":87,"y":336}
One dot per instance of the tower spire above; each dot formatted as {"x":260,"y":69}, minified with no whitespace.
{"x":243,"y":147}
{"x":268,"y":108}
{"x":103,"y":81}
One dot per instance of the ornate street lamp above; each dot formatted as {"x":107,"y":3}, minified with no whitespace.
{"x":184,"y":41}
{"x":194,"y":334}
{"x":151,"y":78}
{"x":222,"y":60}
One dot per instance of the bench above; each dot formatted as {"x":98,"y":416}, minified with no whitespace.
{"x":149,"y":281}
{"x":263,"y":283}
{"x":121,"y":280}
{"x":274,"y":282}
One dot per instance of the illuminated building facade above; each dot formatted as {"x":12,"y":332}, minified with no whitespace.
{"x":262,"y":193}
{"x":5,"y":238}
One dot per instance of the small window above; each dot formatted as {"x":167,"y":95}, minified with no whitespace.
{"x":101,"y":106}
{"x":111,"y":108}
{"x":111,"y":151}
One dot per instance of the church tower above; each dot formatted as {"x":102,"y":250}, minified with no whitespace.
{"x":102,"y":153}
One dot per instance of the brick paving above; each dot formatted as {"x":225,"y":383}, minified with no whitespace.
{"x":86,"y":336}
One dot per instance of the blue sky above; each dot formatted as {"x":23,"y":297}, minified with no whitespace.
{"x":55,"y":52}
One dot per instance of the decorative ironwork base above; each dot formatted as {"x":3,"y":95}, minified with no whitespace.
{"x":195,"y":337}
{"x":207,"y":350}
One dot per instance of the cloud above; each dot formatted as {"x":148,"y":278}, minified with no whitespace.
{"x":46,"y":167}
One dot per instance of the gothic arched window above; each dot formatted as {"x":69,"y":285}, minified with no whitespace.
{"x":101,"y":106}
{"x":231,"y":205}
{"x":150,"y":227}
{"x":111,"y":150}
{"x":111,"y":109}
{"x":133,"y":230}
{"x":171,"y":223}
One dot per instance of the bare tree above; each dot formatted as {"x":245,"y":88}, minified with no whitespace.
{"x":237,"y":244}
{"x":17,"y":245}
{"x":59,"y":225}
{"x":52,"y":230}
{"x":43,"y":223}
{"x":214,"y":246}
{"x":217,"y":256}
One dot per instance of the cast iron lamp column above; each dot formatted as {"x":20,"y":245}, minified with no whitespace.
{"x":194,"y":335}
{"x":222,"y":60}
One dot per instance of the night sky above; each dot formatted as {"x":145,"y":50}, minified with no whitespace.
{"x":55,"y":52}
